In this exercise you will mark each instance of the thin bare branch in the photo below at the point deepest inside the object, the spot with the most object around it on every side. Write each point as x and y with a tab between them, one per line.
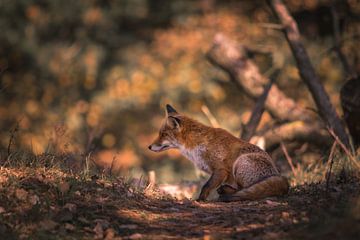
271	26
210	116
288	158
346	150
330	161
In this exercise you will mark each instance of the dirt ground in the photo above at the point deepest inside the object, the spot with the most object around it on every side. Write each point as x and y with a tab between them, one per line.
49	204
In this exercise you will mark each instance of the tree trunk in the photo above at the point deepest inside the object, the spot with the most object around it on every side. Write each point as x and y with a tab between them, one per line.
350	101
249	129
307	72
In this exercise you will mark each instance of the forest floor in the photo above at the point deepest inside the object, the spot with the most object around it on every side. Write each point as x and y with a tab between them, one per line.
50	204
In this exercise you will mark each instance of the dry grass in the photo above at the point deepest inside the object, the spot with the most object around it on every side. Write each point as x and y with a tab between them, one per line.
42	198
335	167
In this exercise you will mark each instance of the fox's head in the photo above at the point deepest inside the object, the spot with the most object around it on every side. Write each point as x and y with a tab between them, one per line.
170	131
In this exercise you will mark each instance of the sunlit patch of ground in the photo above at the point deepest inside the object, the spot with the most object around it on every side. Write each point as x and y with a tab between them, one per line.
50	204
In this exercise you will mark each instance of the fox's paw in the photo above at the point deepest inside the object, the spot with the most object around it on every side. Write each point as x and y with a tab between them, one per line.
225	198
200	199
226	190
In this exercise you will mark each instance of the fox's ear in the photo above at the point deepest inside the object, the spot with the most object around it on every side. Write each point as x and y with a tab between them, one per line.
173	122
170	109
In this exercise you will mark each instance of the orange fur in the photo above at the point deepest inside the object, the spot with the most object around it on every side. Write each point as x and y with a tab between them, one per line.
246	171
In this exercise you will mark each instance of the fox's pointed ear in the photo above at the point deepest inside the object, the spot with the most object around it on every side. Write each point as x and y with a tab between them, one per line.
173	122
170	109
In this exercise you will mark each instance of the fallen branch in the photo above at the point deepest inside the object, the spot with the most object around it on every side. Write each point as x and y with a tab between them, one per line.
232	58
307	72
297	131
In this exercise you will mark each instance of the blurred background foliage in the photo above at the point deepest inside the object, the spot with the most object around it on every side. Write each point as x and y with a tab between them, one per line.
92	76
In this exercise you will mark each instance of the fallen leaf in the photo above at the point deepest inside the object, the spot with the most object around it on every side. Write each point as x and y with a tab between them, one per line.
109	234
272	203
21	194
69	227
104	223
34	199
136	236
99	231
48	224
269	217
87	229
128	226
71	207
174	209
285	215
2	210
65	216
83	220
64	187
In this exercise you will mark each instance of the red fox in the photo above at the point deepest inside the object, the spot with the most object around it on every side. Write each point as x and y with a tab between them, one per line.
239	170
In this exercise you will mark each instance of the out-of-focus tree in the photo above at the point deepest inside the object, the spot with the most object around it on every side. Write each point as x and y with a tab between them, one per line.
107	68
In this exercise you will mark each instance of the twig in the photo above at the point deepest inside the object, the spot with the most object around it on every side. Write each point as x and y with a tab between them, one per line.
340	43
288	158
250	128
210	116
12	136
152	180
346	150
271	26
112	164
2	70
331	162
92	135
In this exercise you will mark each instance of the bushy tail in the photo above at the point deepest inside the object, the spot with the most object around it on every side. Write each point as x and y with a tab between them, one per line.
272	186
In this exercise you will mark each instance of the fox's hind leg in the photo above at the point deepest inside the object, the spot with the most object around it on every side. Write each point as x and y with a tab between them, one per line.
259	178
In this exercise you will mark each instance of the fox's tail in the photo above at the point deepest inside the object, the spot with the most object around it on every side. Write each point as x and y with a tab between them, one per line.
269	187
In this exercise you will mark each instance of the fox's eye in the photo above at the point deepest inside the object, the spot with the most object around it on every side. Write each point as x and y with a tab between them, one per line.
163	134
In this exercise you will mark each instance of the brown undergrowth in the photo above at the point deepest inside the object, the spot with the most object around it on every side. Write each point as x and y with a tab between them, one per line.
49	203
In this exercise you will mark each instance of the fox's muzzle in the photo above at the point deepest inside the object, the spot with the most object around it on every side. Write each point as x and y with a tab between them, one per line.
158	148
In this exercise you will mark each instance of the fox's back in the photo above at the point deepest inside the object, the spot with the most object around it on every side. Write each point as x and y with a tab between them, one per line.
218	146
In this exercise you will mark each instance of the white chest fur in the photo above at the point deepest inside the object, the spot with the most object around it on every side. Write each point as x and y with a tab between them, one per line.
196	156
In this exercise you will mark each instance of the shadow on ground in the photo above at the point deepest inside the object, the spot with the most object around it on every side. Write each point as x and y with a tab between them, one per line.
45	204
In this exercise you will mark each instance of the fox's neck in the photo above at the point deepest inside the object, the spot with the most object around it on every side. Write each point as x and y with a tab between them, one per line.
195	155
194	135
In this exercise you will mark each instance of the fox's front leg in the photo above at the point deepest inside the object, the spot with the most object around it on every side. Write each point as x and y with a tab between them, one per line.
214	181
